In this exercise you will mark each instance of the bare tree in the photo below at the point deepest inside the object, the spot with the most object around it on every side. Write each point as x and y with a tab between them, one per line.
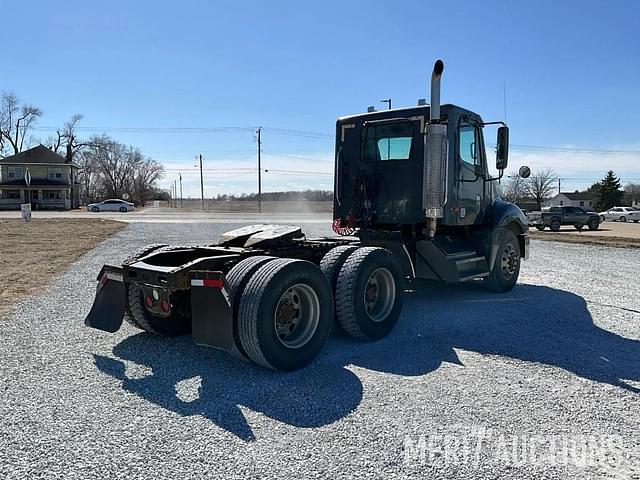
513	188
15	123
540	185
111	169
67	134
111	161
148	172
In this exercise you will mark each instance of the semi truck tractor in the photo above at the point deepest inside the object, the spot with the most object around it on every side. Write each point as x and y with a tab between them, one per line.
414	199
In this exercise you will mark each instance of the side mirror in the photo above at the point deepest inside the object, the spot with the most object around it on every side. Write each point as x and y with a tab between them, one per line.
502	150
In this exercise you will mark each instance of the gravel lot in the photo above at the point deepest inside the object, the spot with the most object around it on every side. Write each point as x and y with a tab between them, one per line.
558	356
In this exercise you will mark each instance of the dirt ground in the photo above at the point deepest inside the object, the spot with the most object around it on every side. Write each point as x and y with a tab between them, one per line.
613	234
31	253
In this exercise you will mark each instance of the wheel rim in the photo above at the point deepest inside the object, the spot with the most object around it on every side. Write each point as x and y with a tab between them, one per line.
379	294
509	261
297	316
623	219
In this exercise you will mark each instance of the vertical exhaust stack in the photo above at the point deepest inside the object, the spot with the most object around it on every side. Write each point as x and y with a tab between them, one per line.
436	147
436	75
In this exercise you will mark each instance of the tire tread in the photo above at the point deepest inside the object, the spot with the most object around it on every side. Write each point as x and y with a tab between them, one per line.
249	309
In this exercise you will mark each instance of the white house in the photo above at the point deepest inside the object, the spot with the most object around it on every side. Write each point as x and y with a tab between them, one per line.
571	199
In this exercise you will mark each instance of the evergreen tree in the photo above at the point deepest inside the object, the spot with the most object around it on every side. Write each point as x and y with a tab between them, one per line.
608	192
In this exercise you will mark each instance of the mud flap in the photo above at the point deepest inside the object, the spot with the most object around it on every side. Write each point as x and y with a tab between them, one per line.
211	310
108	307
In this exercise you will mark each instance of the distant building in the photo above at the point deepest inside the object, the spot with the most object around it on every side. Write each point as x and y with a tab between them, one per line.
528	205
40	177
571	199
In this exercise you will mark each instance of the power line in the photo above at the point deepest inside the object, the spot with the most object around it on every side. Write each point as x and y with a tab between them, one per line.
300	157
211	169
297	172
151	129
574	150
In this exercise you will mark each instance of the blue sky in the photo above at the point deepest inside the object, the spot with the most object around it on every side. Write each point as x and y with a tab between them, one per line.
571	70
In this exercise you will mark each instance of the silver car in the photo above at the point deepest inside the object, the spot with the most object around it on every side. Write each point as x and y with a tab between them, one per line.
111	205
622	214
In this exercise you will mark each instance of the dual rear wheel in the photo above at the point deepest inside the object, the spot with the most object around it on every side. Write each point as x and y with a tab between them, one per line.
285	307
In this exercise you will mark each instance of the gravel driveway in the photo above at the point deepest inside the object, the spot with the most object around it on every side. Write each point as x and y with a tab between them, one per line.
557	358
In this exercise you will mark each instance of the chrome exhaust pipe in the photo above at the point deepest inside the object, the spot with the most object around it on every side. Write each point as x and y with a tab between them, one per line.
436	149
438	68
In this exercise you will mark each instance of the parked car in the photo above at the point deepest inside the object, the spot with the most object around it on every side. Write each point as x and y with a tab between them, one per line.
111	205
554	217
622	214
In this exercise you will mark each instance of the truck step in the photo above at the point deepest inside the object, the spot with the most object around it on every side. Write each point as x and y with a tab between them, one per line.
474	276
470	268
474	259
449	260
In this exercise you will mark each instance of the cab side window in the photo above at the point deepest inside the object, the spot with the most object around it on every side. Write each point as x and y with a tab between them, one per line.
467	147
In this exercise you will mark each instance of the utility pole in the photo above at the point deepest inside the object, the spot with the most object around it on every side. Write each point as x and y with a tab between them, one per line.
201	184
175	189
259	171
559	185
180	173
387	101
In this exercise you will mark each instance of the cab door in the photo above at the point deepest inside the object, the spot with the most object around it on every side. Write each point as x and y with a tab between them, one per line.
569	215
470	174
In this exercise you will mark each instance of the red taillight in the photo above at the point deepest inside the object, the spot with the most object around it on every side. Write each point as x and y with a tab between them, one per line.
148	301
212	282
164	305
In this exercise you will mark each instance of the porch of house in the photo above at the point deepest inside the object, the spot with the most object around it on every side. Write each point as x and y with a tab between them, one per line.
41	198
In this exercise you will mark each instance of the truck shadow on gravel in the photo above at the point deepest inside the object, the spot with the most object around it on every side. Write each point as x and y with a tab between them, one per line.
532	323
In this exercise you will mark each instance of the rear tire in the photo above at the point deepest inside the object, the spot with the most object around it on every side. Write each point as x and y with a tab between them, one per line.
578	227
593	224
237	279
285	314
540	227
555	225
330	265
123	209
369	293
506	268
623	219
147	249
